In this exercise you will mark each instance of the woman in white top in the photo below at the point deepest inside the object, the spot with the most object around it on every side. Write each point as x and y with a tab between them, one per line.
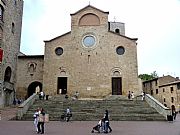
36	114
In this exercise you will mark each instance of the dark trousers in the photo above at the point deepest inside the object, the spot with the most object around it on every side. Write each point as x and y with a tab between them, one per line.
106	127
40	127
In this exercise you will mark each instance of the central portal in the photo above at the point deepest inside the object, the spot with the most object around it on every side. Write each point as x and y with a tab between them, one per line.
116	86
62	85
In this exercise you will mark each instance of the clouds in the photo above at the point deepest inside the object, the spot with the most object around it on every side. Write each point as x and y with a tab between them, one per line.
154	23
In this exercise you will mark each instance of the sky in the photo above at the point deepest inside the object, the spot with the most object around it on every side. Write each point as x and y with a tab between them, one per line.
156	24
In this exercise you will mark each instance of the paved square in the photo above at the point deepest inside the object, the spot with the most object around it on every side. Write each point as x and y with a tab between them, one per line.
85	127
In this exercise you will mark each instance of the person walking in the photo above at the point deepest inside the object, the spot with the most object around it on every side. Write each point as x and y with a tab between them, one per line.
143	95
35	116
41	120
106	122
129	95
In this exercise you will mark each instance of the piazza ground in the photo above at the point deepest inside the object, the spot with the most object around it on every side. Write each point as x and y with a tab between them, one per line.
85	127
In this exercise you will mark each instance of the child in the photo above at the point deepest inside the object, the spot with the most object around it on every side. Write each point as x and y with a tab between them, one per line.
98	126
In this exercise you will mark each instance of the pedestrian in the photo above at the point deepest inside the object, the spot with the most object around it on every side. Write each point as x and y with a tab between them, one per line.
76	95
41	121
132	95
143	95
129	95
174	114
68	114
106	122
35	116
41	95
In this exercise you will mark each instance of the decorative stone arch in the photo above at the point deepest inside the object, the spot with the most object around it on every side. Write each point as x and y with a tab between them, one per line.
63	72
116	77
7	75
33	88
89	19
116	72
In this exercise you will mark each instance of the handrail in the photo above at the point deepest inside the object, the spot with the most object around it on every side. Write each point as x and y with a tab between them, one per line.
157	105
23	108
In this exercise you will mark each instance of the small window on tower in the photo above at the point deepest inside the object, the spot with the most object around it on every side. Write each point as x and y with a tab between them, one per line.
172	99
13	28
156	91
172	90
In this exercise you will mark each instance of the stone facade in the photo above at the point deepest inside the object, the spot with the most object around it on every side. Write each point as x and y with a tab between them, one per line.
94	58
169	94
30	75
10	36
165	89
89	70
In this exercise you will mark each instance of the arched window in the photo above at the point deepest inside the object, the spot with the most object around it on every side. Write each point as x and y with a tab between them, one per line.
89	20
7	76
32	67
13	28
1	12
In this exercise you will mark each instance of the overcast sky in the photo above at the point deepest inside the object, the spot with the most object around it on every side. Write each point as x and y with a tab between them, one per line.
156	24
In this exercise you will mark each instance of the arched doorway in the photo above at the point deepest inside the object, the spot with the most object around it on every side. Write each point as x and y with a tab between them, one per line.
7	75
116	83
34	87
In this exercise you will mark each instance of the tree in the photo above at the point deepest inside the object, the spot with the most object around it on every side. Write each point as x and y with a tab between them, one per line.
146	77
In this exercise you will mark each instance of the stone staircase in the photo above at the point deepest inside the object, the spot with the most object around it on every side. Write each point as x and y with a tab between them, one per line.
120	109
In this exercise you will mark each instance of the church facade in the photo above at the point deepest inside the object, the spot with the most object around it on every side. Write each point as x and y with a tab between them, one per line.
95	58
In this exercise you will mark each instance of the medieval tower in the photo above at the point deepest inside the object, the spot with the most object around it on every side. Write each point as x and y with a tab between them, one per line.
10	35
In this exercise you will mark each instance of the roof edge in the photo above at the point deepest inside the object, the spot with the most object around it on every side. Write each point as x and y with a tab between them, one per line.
134	39
91	7
57	37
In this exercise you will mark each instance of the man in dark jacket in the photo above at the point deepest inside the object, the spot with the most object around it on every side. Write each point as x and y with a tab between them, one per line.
106	120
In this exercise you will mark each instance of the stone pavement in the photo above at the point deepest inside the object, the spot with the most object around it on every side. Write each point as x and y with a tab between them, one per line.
85	127
8	113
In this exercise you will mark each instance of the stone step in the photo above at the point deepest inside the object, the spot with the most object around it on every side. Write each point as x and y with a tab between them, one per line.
119	109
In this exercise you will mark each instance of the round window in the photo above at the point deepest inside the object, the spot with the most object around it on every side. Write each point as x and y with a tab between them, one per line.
120	50
89	41
59	51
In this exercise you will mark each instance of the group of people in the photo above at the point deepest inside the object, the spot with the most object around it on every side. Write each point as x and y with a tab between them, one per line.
131	95
17	101
103	125
39	120
41	95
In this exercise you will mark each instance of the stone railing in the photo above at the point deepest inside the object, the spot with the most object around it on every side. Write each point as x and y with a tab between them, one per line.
23	108
157	105
9	86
